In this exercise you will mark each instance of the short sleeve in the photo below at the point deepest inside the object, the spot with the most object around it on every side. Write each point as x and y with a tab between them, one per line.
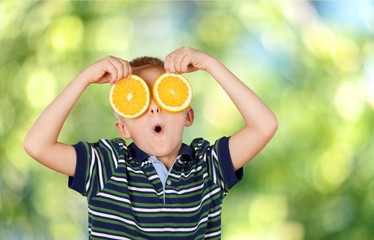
96	163
77	182
229	175
219	163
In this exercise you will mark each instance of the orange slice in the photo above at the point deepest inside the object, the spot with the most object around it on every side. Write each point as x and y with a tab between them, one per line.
130	97
172	92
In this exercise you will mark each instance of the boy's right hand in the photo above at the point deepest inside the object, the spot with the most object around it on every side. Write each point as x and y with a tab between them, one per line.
41	142
107	70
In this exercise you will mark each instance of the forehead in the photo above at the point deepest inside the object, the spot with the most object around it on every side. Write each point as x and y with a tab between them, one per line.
148	73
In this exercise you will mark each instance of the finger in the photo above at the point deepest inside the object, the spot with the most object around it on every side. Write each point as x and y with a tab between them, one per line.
111	69
169	64
180	56
177	61
127	69
173	60
166	66
184	64
117	63
166	63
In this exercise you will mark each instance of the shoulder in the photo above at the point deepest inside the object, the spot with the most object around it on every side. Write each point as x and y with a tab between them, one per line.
116	146
96	163
118	142
201	145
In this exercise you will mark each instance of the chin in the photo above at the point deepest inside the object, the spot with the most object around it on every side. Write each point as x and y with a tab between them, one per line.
164	149
162	152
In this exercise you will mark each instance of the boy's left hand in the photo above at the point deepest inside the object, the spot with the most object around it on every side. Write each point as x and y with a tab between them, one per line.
186	60
261	122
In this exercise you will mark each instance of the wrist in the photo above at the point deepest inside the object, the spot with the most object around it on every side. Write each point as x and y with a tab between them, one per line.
212	64
82	80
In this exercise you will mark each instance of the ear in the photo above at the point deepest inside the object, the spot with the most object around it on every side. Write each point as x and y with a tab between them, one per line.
123	130
190	116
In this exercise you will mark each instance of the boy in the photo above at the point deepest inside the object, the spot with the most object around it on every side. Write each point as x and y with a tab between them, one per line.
157	187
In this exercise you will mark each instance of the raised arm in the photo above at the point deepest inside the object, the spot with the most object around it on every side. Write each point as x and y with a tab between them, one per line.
41	142
260	122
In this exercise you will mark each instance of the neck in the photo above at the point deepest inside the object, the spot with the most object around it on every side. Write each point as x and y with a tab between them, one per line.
168	161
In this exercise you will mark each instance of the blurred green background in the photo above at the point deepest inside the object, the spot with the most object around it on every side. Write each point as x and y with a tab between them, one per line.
311	62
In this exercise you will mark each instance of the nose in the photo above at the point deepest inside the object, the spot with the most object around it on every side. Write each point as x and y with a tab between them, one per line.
154	109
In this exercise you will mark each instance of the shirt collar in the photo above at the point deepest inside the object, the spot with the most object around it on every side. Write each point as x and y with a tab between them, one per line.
186	152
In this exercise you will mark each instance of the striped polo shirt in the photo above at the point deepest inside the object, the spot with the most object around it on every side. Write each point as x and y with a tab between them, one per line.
126	199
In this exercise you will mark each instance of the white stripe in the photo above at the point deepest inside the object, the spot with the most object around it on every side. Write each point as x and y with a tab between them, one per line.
112	151
145	162
108	236
101	181
110	196
121	160
212	234
186	176
142	174
186	190
143	190
215	214
153	177
214	157
122	145
214	177
217	233
135	171
117	179
214	154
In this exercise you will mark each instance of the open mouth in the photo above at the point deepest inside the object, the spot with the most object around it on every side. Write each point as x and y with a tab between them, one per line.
157	128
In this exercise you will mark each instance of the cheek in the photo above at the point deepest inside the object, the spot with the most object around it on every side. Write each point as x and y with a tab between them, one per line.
135	127
178	125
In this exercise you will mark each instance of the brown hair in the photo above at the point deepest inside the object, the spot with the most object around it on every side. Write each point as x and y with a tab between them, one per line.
142	61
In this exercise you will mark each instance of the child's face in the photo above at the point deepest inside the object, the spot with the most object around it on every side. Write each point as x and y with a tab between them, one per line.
156	132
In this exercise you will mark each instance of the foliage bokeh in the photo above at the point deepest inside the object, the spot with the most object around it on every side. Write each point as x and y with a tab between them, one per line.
311	62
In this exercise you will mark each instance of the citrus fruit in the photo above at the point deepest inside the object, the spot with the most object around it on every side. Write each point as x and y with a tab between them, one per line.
130	97
172	92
